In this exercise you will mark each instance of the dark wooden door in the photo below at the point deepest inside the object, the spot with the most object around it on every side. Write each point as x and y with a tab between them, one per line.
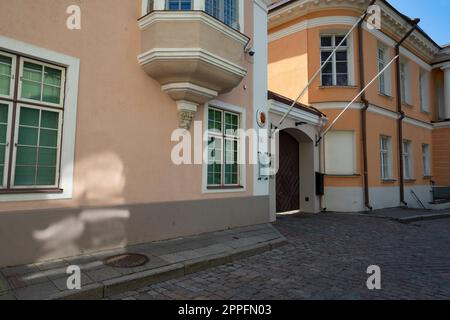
288	176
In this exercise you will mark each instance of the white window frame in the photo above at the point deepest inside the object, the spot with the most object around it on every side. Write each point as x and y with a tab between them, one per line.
388	154
384	81
198	5
408	159
44	64
426	160
350	57
223	137
423	91
353	156
16	139
405	82
4	183
242	185
13	74
72	65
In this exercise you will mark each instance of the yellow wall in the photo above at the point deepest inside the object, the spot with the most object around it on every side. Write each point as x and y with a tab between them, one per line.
287	59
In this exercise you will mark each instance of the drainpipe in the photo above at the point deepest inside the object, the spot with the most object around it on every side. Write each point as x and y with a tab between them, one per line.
414	24
362	84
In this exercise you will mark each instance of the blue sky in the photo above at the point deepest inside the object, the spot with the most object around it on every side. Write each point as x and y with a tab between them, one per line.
434	16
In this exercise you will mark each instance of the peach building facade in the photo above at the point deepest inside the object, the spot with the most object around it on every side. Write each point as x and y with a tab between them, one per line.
87	116
360	156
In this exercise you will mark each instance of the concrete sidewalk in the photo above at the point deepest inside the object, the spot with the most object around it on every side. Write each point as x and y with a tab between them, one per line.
406	215
167	260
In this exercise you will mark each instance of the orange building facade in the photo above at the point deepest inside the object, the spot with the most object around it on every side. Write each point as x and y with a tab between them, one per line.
360	155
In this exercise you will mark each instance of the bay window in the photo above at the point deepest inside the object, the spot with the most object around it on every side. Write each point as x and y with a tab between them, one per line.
179	5
223	148
33	119
224	10
227	11
336	71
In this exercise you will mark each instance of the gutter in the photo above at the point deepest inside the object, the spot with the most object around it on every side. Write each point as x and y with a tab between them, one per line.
414	24
362	84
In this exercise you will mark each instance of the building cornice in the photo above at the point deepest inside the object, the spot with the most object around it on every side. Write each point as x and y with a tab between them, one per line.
392	21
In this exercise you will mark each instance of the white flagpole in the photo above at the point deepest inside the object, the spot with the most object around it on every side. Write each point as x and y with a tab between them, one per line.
357	96
302	93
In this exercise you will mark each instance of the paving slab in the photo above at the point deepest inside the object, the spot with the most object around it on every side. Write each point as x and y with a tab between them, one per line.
167	260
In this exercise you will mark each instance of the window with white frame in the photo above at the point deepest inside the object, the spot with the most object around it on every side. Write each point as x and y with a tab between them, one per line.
385	157
384	80
33	118
407	160
223	148
423	91
405	83
178	4
336	71
226	11
340	153
426	160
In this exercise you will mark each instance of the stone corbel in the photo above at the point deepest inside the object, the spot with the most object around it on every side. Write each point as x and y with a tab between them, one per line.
186	113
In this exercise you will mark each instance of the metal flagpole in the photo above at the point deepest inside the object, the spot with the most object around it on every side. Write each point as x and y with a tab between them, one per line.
354	99
302	93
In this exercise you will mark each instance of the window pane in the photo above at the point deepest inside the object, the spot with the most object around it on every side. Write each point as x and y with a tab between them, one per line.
327	80
3	113
2	169
48	138
328	68
325	55
5	75
32	72
49	120
341	56
5	85
325	41
2	154
5	65
31	90
52	77
45	176
28	136
26	155
51	94
29	117
3	128
25	176
338	41
341	67
341	80
47	157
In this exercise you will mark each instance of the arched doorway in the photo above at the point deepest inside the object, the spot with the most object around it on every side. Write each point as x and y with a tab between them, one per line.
288	176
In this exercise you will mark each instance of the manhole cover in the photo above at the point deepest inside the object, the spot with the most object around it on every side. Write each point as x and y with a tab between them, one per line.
127	260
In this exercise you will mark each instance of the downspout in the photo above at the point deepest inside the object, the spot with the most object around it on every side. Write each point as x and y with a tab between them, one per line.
414	24
362	84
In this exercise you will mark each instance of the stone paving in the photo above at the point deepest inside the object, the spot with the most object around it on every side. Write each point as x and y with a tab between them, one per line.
167	259
327	258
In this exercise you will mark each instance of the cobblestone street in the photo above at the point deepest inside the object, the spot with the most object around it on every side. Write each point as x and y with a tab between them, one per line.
327	258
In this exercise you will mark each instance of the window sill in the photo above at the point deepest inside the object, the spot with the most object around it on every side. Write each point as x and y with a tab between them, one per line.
32	191
407	105
225	188
338	87
410	180
388	180
385	96
355	175
427	177
428	113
